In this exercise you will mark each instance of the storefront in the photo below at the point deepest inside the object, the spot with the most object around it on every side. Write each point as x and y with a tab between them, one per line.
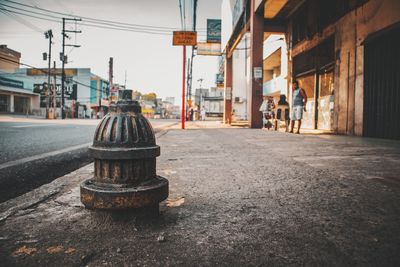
314	69
15	98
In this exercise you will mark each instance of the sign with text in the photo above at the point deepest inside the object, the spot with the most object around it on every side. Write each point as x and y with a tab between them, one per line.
228	93
184	38
43	72
213	31
209	49
11	82
70	91
257	72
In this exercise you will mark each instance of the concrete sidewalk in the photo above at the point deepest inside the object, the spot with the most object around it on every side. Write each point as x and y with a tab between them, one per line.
238	197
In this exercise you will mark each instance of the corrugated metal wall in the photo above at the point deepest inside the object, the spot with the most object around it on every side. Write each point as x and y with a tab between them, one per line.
382	86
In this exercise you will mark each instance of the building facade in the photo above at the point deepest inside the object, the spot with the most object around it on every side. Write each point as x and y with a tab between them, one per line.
81	88
344	54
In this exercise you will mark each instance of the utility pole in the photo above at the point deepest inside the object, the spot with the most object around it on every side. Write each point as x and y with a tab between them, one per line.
188	103
110	77
190	74
183	88
125	80
54	90
201	91
48	35
65	61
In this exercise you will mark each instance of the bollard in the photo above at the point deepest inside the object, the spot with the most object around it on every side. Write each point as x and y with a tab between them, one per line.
124	151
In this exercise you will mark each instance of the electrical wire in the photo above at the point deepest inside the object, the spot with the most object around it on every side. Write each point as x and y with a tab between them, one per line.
22	21
180	9
145	27
89	24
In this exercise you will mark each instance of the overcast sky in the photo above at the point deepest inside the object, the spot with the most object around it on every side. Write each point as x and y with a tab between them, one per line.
151	62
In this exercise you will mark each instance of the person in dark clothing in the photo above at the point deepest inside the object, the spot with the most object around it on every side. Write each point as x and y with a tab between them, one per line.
191	115
282	113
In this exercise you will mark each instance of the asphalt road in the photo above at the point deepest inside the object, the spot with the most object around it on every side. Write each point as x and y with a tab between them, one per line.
34	152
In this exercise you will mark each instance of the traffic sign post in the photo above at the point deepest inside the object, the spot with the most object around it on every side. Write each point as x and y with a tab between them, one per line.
184	38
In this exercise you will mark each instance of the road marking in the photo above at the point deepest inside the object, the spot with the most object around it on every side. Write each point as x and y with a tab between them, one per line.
42	156
158	130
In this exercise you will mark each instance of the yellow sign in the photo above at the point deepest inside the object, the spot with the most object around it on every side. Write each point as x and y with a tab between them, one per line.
184	38
42	72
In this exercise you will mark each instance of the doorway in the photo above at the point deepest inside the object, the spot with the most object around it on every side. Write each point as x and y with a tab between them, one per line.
382	85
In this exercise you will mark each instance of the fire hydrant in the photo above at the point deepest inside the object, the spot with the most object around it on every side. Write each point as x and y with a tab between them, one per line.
124	151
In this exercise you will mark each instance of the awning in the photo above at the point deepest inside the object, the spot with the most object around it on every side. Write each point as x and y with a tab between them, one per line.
11	90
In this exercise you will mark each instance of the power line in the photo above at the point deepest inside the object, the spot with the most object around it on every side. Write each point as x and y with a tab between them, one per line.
22	21
180	9
146	27
184	14
89	24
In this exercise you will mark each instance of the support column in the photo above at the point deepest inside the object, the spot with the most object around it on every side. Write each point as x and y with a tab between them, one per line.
228	91
256	60
12	110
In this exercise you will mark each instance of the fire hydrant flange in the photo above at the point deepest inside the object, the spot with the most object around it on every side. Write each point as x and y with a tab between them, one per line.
124	151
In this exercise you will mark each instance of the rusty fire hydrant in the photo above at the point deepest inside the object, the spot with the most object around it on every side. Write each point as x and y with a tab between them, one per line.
124	151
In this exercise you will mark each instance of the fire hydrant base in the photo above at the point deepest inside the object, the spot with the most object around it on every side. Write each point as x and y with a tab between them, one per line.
112	197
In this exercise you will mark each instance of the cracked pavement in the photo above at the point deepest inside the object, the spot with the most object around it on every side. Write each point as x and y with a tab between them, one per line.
237	197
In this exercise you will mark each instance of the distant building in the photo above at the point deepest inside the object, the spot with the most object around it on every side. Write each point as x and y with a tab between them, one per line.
10	59
16	98
15	95
199	95
214	102
170	99
81	86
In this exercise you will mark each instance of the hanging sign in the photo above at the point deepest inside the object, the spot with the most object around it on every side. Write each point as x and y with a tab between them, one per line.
184	38
208	49
213	31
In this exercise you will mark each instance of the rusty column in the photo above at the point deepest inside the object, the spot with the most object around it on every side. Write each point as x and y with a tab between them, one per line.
256	61
124	151
228	90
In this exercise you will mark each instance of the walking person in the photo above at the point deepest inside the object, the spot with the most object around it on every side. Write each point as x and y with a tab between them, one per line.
299	101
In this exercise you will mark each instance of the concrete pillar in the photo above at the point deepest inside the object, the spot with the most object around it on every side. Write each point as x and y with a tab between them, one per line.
12	103
228	91
256	60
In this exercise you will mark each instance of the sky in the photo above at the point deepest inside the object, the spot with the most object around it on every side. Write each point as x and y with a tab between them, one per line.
150	61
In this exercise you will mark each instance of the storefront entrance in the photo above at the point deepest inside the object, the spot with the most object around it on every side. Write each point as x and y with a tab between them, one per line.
4	103
314	69
21	104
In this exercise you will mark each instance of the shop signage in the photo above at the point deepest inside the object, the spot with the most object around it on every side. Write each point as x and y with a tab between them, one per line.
11	83
228	93
257	72
184	38
209	49
213	31
70	91
219	78
43	72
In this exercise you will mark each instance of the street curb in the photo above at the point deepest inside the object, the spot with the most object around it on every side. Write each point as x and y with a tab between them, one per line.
50	190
